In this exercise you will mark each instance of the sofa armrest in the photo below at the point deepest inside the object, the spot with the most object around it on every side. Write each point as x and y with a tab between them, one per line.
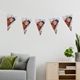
31	69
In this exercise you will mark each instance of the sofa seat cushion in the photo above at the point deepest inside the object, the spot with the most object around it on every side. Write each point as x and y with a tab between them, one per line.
12	75
21	61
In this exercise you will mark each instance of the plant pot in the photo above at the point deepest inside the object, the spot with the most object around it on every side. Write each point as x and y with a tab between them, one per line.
72	59
77	56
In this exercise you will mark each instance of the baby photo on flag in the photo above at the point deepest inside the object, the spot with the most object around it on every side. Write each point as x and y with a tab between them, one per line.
68	21
40	23
25	23
54	23
10	20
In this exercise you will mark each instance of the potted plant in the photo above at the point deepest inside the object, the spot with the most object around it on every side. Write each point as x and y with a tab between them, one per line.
77	42
69	53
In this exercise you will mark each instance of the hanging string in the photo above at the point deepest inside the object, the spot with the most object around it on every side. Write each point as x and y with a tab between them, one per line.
77	13
2	12
6	13
20	17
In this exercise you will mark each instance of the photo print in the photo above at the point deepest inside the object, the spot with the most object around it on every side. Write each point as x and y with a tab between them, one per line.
10	20
25	24
68	21
54	23
40	23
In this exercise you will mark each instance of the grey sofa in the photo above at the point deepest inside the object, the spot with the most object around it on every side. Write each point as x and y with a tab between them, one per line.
28	74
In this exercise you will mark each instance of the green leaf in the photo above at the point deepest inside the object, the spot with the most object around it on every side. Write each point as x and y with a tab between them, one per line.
77	37
69	52
77	42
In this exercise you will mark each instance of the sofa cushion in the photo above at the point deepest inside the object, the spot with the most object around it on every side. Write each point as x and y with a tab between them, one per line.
1	59
20	66
1	56
13	75
21	61
7	62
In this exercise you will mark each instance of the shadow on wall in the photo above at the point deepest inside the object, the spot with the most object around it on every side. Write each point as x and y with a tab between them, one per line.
41	72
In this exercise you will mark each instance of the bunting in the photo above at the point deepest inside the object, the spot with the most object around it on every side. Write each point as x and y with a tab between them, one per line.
68	21
54	22
25	24
10	20
40	23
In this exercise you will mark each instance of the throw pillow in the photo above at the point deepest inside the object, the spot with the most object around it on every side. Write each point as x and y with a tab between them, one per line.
21	61
1	56
21	57
7	62
20	66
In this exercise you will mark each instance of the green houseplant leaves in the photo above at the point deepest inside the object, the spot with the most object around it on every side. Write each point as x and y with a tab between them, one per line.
69	52
77	42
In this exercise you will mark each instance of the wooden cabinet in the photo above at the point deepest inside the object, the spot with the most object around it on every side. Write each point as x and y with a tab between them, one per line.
77	65
78	71
63	71
78	74
52	71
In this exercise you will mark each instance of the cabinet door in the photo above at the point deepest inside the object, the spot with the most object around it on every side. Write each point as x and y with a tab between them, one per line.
77	70
77	74
52	71
77	65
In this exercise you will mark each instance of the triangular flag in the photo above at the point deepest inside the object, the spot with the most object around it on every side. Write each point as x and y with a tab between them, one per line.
68	21
40	23
25	23
54	23
10	20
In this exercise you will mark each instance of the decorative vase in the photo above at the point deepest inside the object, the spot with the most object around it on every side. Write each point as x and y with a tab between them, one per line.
77	56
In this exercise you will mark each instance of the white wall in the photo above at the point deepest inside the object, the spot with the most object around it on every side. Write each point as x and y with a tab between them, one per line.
48	46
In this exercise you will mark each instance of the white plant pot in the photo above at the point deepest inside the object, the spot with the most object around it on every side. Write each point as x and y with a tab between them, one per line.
72	59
